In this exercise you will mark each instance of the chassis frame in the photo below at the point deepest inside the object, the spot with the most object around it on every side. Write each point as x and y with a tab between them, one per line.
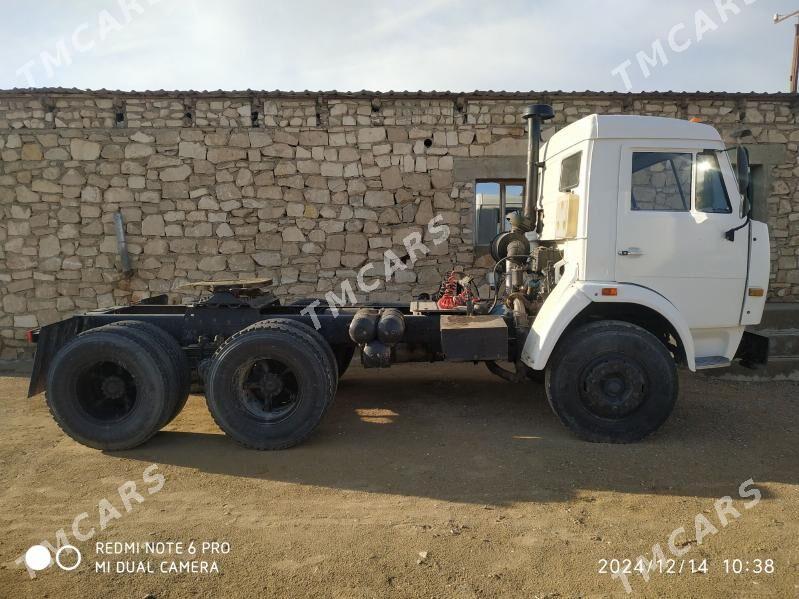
200	327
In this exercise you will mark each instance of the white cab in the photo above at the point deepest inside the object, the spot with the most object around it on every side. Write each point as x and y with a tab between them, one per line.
656	200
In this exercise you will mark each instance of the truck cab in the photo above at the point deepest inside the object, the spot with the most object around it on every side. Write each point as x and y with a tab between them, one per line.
649	216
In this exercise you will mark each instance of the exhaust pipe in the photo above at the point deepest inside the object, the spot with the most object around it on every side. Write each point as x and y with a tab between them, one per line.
535	114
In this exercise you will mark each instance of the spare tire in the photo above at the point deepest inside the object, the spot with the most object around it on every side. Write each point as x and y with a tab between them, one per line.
107	391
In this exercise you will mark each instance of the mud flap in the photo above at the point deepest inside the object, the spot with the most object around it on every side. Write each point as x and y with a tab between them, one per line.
753	350
50	339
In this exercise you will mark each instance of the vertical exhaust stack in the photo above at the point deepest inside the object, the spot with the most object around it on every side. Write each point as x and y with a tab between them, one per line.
535	114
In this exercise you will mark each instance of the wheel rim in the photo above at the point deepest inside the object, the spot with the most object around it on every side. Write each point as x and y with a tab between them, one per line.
268	390
613	386
106	392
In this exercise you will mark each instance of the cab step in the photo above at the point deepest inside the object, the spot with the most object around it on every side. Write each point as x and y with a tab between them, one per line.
712	362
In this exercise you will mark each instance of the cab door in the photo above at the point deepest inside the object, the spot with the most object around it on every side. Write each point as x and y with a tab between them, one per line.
675	206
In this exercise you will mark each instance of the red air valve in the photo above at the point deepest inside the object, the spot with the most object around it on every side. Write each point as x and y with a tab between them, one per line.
455	291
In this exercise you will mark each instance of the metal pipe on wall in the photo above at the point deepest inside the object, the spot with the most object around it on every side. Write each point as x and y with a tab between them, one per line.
122	245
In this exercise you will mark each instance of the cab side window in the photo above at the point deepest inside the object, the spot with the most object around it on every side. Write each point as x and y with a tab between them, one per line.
570	172
661	181
711	194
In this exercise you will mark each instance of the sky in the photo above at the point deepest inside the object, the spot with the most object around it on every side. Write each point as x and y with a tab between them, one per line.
382	45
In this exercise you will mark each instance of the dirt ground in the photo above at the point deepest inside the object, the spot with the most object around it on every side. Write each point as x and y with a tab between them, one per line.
422	481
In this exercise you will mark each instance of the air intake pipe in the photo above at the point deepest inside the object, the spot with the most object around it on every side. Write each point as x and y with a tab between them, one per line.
535	114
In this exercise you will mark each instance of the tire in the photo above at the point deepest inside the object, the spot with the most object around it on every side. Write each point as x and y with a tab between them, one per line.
176	355
611	382
313	336
167	369
343	355
107	390
270	384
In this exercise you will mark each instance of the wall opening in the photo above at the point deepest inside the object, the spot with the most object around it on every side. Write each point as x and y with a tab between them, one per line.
120	118
493	202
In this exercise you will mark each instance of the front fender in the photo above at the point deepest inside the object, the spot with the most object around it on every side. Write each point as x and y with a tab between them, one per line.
560	310
565	302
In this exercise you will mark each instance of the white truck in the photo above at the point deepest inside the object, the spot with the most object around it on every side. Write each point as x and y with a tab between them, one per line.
635	253
658	242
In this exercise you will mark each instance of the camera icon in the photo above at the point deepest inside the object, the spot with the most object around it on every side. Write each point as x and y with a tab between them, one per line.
38	557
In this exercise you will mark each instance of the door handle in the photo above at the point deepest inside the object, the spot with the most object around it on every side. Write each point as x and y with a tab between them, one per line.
630	252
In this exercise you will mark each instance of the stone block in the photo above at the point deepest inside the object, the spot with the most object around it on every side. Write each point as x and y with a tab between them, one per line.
391	178
136	150
31	152
371	135
377	199
191	149
175	173
82	149
217	155
153	225
356	243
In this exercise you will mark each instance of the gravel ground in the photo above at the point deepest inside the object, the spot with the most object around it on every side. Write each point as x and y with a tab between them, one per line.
423	481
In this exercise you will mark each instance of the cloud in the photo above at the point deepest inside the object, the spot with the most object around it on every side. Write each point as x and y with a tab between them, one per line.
458	45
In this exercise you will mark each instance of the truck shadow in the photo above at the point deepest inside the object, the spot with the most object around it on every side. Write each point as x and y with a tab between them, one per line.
456	433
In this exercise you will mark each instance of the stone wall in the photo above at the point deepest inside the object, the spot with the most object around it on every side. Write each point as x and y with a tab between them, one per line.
303	188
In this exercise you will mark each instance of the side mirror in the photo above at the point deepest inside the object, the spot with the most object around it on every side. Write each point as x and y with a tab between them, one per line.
742	166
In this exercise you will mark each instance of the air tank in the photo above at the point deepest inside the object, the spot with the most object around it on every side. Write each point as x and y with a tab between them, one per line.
391	327
363	327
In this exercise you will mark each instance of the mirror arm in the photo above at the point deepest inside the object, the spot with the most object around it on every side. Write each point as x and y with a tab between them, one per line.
730	235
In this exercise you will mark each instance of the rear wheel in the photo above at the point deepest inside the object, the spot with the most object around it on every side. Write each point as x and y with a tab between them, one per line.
107	390
611	382
176	356
312	336
269	385
167	369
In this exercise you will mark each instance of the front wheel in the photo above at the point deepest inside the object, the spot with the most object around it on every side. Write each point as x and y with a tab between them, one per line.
611	382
